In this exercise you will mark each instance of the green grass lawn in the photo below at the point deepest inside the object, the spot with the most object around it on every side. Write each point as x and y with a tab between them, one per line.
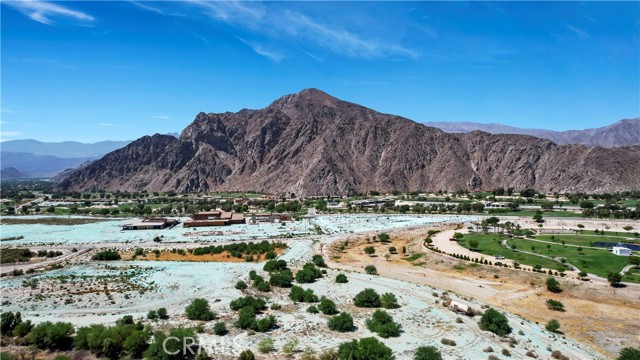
489	244
632	276
594	261
581	239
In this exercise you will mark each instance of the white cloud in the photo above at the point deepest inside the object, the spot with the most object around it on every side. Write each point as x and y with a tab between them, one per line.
144	6
286	25
5	110
43	12
339	40
581	33
262	50
161	117
8	134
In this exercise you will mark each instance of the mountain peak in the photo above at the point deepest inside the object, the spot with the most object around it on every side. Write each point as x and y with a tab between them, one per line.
304	98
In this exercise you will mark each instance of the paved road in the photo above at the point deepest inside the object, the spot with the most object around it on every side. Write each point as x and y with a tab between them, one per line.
7	269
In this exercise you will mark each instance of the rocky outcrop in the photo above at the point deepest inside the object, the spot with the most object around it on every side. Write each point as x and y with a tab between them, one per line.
311	143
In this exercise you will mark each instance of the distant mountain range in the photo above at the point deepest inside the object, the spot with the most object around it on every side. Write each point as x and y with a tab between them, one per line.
622	133
65	149
38	166
36	159
311	143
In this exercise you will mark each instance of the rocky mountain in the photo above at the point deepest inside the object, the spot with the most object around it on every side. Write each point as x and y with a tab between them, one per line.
65	149
10	173
311	143
622	133
39	166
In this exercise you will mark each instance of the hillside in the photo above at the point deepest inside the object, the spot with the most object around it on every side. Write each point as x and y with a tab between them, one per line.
312	143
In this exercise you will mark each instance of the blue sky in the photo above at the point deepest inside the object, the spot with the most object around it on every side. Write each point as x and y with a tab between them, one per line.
91	71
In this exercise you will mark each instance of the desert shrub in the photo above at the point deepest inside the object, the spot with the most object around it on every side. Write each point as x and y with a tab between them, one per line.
170	346
247	355
488	349
629	353
264	324
449	342
371	270
531	354
266	345
256	304
342	322
555	305
220	329
495	322
308	274
318	260
199	310
382	323
106	255
252	274
241	285
246	318
553	285
8	321
553	325
312	309
257	280
290	346
22	329
506	352
389	301
327	307
298	294
276	306
263	286
7	356
367	298
152	315
364	349
493	357
162	313
427	353
282	278
51	336
329	354
341	279
274	265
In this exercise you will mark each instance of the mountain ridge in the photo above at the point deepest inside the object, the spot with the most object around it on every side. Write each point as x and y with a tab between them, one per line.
624	132
312	143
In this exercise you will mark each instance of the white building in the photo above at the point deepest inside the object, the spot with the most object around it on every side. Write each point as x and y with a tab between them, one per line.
621	251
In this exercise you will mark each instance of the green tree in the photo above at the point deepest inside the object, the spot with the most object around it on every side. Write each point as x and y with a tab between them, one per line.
389	301
371	270
174	344
553	325
342	322
629	353
247	355
341	279
496	322
199	310
220	329
367	298
382	323
553	285
368	348
614	279
51	336
327	307
555	305
427	353
369	250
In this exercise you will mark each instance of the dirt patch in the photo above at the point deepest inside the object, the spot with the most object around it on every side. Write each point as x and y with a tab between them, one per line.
50	221
605	318
224	256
